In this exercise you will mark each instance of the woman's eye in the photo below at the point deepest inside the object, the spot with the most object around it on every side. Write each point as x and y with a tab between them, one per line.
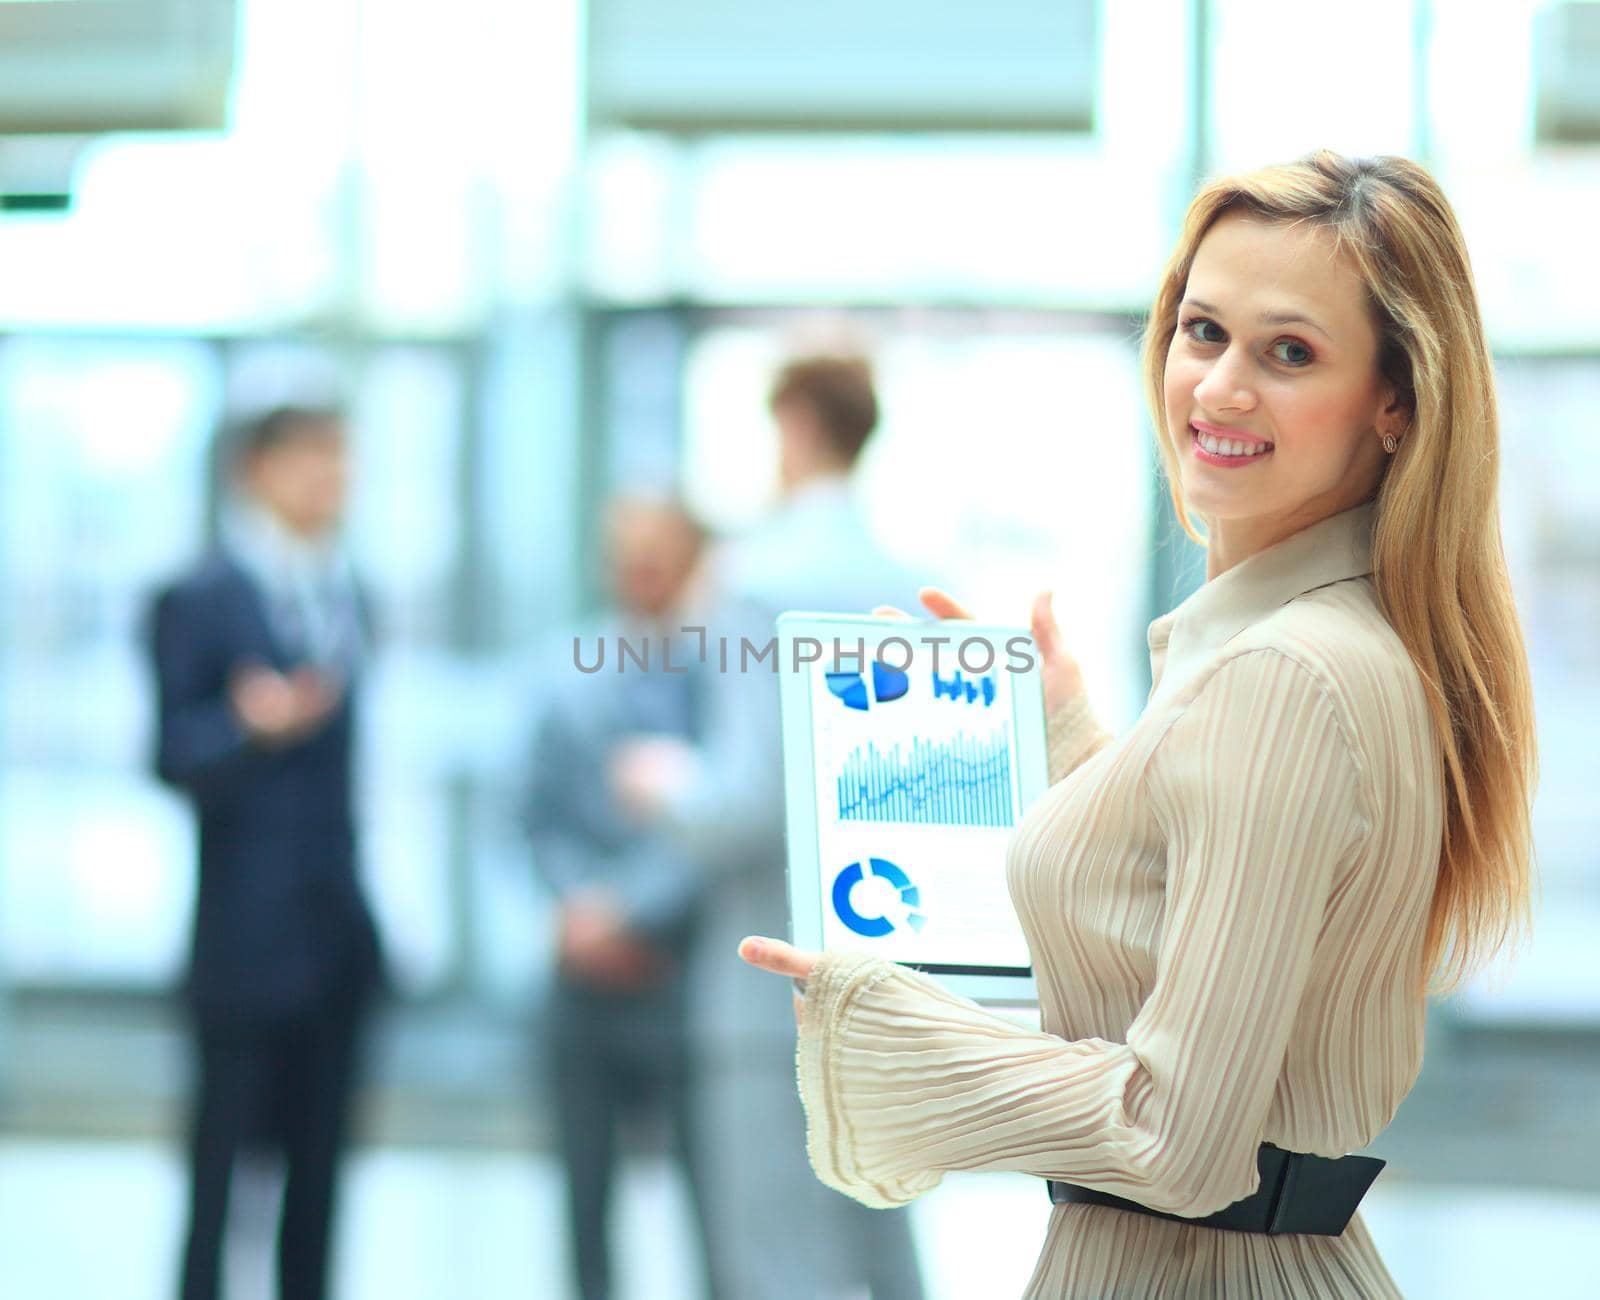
1202	330
1291	352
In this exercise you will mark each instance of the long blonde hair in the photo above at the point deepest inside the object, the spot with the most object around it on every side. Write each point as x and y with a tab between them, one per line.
1438	562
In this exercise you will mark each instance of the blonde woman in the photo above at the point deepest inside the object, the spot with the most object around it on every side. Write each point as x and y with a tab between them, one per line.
1236	909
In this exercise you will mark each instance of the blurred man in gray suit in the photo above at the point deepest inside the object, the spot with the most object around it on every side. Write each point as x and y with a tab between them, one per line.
626	898
776	1232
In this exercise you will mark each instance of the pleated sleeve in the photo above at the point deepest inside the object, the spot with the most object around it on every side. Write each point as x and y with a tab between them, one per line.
1073	736
1257	791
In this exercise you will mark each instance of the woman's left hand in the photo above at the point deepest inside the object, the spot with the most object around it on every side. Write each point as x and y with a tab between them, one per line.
781	959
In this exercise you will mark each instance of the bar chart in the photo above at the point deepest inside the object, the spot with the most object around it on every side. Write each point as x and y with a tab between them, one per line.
962	781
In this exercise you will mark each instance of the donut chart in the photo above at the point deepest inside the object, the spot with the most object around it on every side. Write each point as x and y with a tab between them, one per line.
876	927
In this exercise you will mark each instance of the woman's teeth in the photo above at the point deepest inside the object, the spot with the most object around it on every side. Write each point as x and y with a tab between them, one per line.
1229	446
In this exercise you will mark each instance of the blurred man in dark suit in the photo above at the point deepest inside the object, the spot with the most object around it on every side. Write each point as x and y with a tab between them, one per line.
627	900
256	654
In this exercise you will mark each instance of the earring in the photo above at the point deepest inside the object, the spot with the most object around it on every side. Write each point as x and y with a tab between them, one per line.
1390	444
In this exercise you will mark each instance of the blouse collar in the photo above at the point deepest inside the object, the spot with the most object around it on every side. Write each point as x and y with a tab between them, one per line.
1332	550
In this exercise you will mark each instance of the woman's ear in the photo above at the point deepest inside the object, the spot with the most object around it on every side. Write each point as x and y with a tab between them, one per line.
1394	417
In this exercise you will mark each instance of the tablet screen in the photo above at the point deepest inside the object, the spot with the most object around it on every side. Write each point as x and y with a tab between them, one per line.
917	789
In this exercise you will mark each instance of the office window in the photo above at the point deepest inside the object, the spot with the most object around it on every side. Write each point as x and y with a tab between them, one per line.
102	472
1550	500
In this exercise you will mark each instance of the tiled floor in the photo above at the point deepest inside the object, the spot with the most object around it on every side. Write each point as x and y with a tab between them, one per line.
99	1221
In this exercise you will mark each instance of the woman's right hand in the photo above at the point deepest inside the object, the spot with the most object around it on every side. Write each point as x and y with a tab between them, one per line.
1062	679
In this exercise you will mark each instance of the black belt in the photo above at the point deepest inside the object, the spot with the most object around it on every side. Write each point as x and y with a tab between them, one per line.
1298	1193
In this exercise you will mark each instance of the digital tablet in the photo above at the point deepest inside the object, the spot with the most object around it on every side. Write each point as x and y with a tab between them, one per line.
910	750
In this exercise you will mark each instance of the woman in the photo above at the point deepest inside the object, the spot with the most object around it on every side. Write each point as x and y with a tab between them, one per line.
1236	908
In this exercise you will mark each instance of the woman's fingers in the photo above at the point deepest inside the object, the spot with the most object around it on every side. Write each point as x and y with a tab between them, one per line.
938	603
1046	632
1062	678
777	956
942	605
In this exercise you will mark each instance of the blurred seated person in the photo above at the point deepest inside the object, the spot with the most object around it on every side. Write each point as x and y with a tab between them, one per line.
256	652
627	901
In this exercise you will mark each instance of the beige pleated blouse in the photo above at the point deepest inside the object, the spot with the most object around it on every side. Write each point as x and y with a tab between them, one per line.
1226	909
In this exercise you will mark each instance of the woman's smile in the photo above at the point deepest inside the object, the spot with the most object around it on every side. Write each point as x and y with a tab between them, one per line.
1229	448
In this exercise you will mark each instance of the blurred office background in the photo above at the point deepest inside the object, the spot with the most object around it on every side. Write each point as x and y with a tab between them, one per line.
542	250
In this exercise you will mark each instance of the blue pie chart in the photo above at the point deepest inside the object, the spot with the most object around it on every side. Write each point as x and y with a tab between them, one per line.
876	927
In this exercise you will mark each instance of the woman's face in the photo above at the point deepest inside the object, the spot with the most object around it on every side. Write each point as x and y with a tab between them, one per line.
1274	401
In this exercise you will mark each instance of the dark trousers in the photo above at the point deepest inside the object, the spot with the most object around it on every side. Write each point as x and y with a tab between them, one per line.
615	1058
284	1084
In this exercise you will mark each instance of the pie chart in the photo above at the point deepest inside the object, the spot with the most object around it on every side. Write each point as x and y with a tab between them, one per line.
878	925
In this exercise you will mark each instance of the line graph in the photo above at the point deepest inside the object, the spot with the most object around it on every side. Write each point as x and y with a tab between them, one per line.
960	782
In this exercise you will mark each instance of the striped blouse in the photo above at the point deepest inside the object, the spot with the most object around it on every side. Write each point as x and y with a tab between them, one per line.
1226	909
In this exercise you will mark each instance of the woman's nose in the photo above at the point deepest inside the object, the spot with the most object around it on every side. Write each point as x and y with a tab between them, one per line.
1226	385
